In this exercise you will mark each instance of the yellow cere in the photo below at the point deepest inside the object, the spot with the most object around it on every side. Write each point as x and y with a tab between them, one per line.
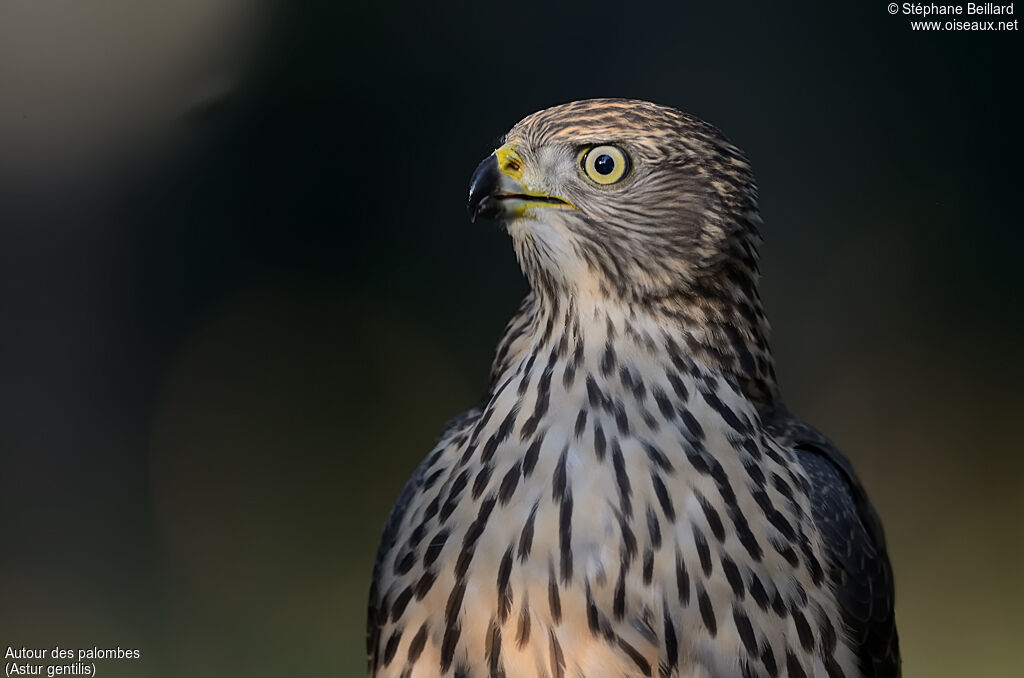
511	165
509	162
605	164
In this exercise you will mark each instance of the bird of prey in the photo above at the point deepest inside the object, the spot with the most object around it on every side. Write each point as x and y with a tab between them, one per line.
631	498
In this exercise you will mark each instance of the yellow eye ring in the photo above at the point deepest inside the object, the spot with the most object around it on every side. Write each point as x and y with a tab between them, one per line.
605	164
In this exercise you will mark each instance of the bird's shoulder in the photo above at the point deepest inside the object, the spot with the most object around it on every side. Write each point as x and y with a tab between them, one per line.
853	541
377	611
513	344
414	486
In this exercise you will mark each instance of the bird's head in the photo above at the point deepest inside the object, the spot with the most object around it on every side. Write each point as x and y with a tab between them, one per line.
623	199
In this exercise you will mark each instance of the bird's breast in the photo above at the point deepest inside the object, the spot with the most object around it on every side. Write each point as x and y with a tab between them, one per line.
608	508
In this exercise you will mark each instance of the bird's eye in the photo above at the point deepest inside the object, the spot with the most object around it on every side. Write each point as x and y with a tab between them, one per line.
605	164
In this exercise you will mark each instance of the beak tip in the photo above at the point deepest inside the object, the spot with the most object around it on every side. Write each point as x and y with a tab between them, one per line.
482	187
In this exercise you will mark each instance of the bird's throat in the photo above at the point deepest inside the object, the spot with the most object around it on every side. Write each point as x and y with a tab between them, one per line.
560	335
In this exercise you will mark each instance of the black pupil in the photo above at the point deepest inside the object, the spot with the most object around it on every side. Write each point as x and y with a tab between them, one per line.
604	164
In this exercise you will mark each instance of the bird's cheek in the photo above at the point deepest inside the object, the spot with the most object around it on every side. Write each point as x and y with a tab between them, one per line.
534	182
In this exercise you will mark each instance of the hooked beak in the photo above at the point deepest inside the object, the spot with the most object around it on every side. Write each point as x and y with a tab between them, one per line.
496	190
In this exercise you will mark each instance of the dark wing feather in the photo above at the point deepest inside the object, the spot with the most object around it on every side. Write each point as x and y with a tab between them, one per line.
858	563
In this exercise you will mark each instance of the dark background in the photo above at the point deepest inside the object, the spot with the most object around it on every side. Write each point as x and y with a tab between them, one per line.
240	294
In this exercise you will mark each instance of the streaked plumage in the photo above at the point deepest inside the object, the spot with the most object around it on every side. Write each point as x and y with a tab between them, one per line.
631	498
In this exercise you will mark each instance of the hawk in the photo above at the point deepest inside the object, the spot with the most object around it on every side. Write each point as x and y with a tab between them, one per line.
631	498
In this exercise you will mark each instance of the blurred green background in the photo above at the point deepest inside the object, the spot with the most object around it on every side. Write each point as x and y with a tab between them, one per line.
241	295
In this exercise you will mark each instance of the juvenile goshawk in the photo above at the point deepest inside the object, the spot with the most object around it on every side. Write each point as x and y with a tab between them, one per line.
631	498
